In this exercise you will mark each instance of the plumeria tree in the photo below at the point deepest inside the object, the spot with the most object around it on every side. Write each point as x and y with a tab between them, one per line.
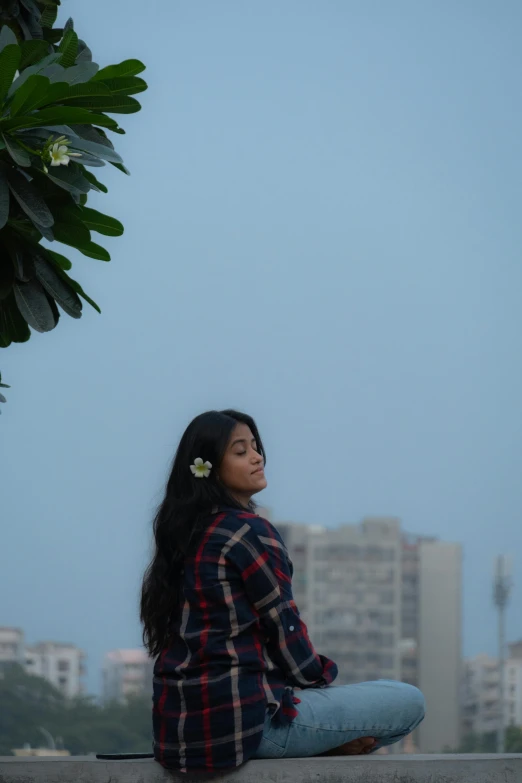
55	104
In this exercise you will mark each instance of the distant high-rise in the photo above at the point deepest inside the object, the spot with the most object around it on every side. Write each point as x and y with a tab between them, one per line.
63	665
480	692
352	580
11	646
126	673
385	605
440	642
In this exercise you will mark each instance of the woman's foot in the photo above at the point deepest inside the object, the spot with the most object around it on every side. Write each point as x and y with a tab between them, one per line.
357	747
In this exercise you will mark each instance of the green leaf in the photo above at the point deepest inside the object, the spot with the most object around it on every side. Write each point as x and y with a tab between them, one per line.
29	95
5	334
48	17
116	104
13	322
128	85
23	264
100	150
95	184
121	167
9	64
50	130
69	48
26	229
92	250
58	288
36	68
97	135
79	290
72	234
20	156
55	73
53	307
4	198
103	224
91	160
59	92
84	53
59	115
125	68
77	74
26	25
33	9
32	51
45	232
60	260
67	212
29	199
73	178
34	306
52	36
7	278
77	287
7	37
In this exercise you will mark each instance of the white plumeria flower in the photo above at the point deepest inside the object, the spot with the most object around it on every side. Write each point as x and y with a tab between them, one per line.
60	155
201	469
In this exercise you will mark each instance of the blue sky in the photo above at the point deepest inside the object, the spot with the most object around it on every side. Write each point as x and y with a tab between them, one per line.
323	229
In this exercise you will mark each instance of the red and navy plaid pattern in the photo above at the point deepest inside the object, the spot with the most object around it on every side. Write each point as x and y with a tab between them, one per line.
238	649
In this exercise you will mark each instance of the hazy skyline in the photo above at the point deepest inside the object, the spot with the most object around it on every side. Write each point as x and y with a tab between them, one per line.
322	228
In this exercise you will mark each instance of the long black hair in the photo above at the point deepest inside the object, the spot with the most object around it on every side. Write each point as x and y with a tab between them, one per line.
178	522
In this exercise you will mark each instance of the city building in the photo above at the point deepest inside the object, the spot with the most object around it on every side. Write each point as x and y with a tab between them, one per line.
480	692
63	665
60	664
439	642
351	578
11	646
126	673
385	605
515	650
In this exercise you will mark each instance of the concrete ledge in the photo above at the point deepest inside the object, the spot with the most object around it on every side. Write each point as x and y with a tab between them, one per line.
359	769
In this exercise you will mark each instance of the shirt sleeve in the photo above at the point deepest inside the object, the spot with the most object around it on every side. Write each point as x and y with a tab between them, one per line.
267	578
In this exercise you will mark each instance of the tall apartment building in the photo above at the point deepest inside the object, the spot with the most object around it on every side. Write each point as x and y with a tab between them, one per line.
63	665
12	646
385	605
439	640
480	692
126	673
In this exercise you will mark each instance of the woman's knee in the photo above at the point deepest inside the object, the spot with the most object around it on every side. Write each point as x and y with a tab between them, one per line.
413	704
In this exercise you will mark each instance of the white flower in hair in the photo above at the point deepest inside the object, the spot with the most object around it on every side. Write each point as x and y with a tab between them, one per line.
201	469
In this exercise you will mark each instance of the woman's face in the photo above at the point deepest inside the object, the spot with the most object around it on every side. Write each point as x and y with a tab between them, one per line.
242	467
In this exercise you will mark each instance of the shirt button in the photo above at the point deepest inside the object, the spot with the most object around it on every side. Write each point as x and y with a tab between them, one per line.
291	627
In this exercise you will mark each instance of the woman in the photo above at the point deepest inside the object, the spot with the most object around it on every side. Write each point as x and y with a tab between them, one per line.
230	646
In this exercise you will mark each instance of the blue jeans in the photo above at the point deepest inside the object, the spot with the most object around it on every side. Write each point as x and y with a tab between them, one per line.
330	717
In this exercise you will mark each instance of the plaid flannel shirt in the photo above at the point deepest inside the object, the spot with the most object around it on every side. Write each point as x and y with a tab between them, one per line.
238	649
